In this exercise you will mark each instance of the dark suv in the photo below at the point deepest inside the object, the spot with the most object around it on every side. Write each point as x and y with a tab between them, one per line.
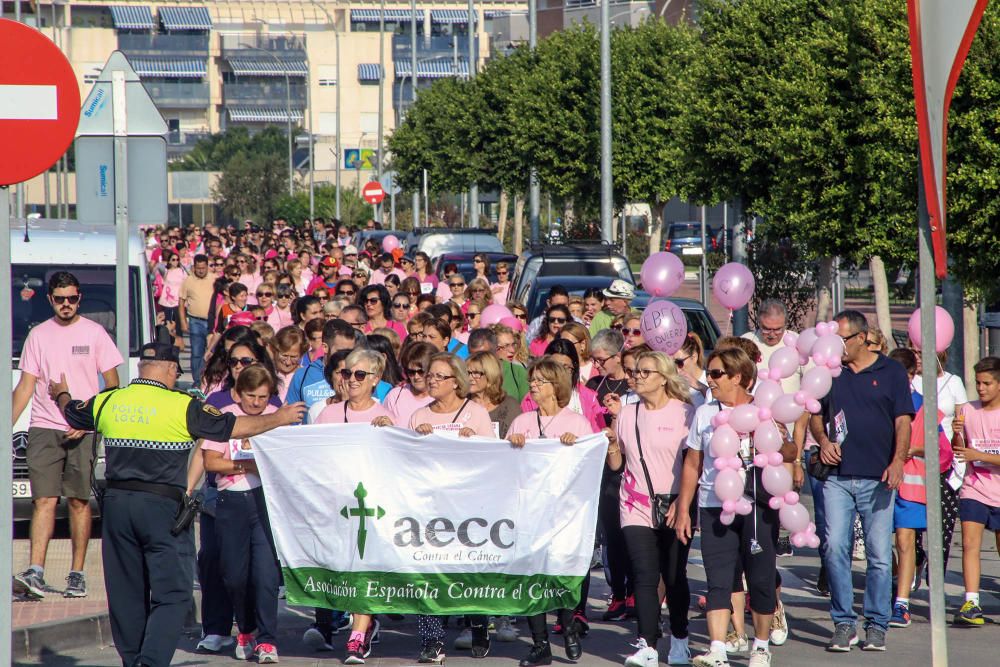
684	238
545	260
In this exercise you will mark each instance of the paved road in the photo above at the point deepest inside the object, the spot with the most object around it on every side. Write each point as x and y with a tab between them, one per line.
607	643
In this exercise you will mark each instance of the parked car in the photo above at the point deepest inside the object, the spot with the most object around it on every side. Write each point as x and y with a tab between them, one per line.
463	260
684	238
435	241
597	260
359	238
88	252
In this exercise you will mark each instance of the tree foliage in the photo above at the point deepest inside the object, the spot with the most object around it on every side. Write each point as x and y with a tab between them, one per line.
250	186
295	208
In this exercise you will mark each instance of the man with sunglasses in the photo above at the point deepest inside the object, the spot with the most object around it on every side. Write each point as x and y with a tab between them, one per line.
617	301
327	276
60	457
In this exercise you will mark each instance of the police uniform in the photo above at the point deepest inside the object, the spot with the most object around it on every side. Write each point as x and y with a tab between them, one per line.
149	431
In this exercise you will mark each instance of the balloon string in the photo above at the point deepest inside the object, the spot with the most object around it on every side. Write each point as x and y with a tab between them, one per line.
729	324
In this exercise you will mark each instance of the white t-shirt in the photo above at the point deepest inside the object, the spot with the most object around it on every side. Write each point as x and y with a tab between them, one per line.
951	392
698	439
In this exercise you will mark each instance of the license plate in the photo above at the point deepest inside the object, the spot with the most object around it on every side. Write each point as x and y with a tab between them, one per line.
22	489
691	251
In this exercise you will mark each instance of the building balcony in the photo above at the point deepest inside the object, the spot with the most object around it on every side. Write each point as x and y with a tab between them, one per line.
271	92
249	43
178	94
146	44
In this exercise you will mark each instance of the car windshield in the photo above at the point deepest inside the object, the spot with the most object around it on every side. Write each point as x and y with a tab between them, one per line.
438	244
97	285
685	231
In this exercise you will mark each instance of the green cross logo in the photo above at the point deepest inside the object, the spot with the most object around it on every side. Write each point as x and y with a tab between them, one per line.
362	511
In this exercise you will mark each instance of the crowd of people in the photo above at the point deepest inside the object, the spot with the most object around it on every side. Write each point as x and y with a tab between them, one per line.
359	335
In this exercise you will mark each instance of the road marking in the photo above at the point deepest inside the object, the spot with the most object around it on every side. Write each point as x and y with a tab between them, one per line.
28	102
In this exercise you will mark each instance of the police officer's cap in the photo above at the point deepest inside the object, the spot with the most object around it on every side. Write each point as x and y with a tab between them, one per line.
159	352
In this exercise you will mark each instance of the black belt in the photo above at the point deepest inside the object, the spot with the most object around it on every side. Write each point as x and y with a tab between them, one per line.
165	490
195	317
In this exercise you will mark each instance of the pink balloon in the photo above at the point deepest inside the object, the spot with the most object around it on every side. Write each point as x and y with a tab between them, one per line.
805	341
725	442
733	285
816	382
821	329
785	361
775	503
944	329
720	464
812	541
803	359
790	339
664	326
766	393
389	243
662	274
493	314
777	481
791	498
799	540
767	438
819	358
729	506
760	460
794	518
830	346
512	322
727	518
744	418
720	419
764	414
744	506
786	410
813	406
835	372
775	459
801	397
728	485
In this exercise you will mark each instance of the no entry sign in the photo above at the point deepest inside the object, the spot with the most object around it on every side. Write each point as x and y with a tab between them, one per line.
39	102
373	192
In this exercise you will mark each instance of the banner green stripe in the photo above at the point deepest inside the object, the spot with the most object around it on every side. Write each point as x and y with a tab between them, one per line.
434	594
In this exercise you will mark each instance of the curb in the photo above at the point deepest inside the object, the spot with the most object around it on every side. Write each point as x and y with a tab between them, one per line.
36	641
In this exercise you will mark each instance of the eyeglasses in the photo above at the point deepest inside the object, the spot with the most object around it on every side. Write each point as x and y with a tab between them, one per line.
477	261
505	346
265	294
453	285
847	338
401	305
775	332
475	375
241	361
626	331
438	377
414	372
502	272
322	297
346	292
641	373
478	289
679	362
358	375
372	300
557	320
473	313
233	274
537	381
715	373
521	316
241	261
73	299
600	362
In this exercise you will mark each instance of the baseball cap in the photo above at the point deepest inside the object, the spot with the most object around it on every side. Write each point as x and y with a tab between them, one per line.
328	261
159	352
350	250
620	289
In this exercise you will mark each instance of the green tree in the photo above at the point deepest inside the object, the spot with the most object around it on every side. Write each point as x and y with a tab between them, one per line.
215	151
353	209
250	186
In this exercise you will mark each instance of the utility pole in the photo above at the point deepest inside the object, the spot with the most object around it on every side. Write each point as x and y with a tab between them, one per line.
473	60
606	184
534	189
415	201
381	97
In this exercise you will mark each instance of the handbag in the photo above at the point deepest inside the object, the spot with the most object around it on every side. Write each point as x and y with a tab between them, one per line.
659	503
817	469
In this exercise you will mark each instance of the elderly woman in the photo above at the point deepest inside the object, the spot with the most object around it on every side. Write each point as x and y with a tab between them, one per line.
451	410
556	318
286	348
510	344
631	330
486	387
651	436
247	558
749	541
582	399
404	400
362	371
551	387
577	334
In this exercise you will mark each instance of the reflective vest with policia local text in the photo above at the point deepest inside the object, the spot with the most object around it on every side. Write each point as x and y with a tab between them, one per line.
145	431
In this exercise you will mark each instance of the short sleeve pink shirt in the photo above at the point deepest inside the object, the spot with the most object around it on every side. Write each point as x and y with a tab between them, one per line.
471	415
982	433
564	421
401	403
341	413
234	482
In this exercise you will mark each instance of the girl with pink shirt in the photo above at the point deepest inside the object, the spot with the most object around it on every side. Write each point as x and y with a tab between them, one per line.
247	558
651	436
550	388
404	400
555	318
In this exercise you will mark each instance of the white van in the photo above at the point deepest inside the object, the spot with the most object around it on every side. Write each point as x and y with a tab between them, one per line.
88	252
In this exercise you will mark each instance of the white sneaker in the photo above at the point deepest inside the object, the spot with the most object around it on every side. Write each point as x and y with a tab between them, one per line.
506	631
858	551
737	643
709	659
760	657
779	626
214	643
464	639
680	652
644	656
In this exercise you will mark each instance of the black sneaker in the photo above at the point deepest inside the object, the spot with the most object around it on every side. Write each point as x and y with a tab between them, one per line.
76	585
571	640
432	653
874	639
783	548
480	642
318	638
30	584
540	654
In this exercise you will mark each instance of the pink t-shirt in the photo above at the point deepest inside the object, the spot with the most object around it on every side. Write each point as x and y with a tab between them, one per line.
379	276
398	327
234	482
564	421
982	432
663	434
471	415
401	403
170	298
583	401
82	350
279	319
284	381
341	413
501	292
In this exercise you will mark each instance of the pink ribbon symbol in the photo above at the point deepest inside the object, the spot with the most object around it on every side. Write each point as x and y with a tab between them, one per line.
633	495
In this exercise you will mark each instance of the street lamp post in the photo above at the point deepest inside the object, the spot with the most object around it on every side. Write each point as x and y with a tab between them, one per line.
381	97
534	191
473	61
288	110
415	201
606	182
340	154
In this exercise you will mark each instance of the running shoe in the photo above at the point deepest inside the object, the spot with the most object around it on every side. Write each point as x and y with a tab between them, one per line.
783	548
845	635
737	644
464	639
874	639
680	652
30	584
355	652
971	615
779	626
900	616
266	654
432	653
540	654
644	656
709	659
615	611
505	630
76	585
244	646
630	606
760	657
317	639
214	643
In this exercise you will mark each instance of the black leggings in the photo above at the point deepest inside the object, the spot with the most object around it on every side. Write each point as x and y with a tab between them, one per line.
536	623
655	554
617	566
725	548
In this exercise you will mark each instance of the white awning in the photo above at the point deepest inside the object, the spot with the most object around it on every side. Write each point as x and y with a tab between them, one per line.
132	17
449	16
267	67
391	15
254	114
432	69
185	18
170	68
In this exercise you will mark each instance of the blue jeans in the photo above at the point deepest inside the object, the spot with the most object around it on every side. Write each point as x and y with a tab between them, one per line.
816	489
198	330
873	500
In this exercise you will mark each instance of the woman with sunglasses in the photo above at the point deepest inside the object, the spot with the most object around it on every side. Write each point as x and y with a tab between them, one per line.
170	284
377	304
473	313
457	288
247	557
282	316
347	289
556	318
401	308
551	387
486	389
452	410
411	288
424	273
481	265
478	290
519	311
501	288
577	334
404	400
648	448
362	371
243	353
749	541
630	329
689	364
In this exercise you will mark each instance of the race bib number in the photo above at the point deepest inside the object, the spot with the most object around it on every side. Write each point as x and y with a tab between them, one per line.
840	428
240	450
426	288
448	428
986	446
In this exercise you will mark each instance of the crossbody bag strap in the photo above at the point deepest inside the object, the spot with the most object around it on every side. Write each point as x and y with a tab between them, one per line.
459	413
642	461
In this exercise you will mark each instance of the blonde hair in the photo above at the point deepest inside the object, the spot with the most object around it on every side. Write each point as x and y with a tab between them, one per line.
876	337
457	369
520	351
289	339
493	374
674	385
478	282
578	331
264	332
375	361
393	337
549	370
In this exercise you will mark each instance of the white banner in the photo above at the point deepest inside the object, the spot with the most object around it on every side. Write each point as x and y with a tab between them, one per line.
384	520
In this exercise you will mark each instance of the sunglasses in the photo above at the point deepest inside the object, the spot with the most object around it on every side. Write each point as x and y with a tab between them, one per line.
475	375
72	299
414	372
557	320
501	273
346	292
456	284
715	373
241	361
371	301
358	375
218	264
284	295
473	313
626	331
680	361
263	294
400	305
521	316
233	274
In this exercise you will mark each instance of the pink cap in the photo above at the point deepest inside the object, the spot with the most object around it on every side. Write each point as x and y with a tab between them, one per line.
243	318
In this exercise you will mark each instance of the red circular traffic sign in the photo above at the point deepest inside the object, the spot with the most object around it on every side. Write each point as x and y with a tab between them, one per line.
373	192
39	102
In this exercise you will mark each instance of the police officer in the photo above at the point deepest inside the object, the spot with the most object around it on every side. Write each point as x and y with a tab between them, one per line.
149	431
